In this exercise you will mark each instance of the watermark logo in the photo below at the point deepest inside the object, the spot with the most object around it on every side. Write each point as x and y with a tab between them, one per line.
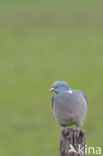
85	150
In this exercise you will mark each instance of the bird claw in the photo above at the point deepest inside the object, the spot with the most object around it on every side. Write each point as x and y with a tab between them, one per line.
65	131
79	132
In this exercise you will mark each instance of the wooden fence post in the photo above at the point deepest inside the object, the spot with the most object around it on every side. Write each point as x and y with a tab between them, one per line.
70	144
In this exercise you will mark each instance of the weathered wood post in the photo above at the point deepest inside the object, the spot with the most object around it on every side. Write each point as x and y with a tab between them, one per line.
70	144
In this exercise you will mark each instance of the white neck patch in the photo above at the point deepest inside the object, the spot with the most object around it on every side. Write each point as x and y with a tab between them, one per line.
69	91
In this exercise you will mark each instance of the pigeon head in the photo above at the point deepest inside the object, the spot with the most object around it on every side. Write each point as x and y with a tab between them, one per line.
59	87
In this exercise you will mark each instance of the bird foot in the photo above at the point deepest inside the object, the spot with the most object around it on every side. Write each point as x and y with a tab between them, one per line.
79	132
65	131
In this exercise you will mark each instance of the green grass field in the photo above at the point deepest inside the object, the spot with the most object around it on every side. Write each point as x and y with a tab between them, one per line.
41	42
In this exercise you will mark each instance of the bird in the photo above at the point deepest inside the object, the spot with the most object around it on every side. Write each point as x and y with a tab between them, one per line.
69	105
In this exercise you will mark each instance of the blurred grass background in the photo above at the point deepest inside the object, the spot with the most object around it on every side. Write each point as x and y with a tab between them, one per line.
41	42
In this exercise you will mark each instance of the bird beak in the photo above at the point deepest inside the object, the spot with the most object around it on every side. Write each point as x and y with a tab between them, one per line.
51	89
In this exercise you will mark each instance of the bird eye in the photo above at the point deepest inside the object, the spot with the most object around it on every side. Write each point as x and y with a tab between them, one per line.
56	87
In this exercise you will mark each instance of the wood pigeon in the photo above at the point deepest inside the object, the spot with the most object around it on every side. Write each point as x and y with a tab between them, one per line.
69	105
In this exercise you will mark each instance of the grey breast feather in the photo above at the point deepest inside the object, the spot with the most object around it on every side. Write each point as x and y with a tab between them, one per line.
70	108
